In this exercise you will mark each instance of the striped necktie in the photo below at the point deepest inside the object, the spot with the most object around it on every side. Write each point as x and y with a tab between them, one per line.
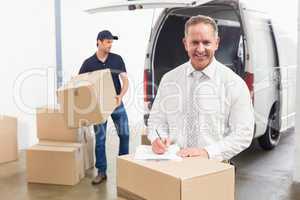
192	123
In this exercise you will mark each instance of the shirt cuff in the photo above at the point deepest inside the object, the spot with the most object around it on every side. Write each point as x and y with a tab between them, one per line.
214	152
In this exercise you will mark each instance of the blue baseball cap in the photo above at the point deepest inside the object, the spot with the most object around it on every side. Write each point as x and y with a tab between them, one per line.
105	34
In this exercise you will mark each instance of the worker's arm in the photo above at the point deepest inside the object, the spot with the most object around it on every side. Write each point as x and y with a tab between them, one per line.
158	128
125	85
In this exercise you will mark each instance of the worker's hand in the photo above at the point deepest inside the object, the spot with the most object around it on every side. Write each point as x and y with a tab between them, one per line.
193	152
161	146
118	100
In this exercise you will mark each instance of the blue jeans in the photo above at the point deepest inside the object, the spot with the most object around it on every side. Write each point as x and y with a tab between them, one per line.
120	119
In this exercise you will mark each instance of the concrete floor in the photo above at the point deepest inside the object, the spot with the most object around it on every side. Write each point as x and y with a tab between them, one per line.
267	175
261	175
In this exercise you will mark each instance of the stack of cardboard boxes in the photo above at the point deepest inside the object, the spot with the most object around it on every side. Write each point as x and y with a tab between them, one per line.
8	139
65	149
58	157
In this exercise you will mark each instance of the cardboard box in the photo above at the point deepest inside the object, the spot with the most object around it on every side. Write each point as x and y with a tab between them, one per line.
191	179
8	139
52	126
145	140
53	164
80	146
88	98
144	137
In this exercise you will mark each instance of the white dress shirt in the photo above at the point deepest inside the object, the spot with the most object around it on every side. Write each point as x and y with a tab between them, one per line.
226	116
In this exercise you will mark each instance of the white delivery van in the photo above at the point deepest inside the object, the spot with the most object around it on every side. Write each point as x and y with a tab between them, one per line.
251	44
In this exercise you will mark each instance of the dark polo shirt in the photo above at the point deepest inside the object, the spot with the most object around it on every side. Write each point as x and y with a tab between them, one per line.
114	62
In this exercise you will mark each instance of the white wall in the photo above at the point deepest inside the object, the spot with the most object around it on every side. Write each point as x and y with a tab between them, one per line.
27	48
79	32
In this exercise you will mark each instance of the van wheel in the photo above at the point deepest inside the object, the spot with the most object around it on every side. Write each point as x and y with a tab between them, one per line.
272	135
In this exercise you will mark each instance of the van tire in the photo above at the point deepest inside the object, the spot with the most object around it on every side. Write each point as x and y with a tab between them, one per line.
272	135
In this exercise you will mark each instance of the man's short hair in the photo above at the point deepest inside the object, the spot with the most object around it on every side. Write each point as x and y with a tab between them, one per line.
201	19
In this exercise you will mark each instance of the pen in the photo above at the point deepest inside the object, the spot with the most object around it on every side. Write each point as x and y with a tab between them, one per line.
158	134
164	142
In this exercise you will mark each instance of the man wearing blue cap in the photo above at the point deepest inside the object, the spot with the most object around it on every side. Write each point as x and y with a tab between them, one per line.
104	59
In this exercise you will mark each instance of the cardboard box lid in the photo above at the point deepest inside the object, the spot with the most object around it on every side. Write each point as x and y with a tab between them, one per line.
178	169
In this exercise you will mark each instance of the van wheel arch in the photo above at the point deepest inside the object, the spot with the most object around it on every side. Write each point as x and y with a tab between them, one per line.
271	138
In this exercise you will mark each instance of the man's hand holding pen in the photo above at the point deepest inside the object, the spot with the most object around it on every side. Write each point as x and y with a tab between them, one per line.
160	145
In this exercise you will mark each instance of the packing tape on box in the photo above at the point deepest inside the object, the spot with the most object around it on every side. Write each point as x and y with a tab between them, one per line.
123	193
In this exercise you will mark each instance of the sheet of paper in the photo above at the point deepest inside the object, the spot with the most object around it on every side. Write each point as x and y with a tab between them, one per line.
144	152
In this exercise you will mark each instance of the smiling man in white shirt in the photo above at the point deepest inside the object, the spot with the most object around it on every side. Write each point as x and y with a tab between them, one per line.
202	105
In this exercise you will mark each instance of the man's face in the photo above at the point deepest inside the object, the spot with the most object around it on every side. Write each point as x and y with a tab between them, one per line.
201	44
105	45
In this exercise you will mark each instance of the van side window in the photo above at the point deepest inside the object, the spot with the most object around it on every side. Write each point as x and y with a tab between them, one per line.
231	49
263	51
